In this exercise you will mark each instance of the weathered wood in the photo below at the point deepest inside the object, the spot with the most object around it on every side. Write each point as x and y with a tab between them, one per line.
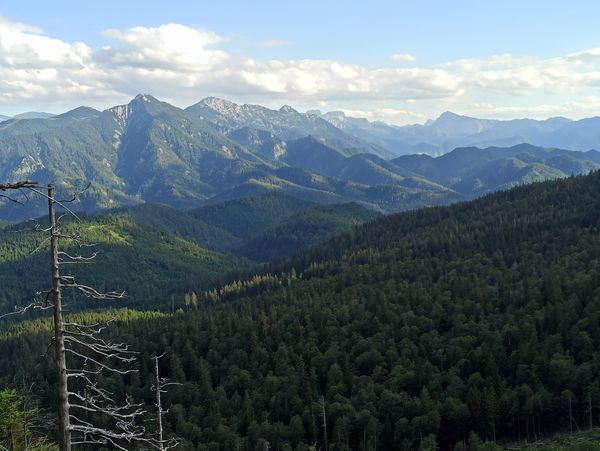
64	431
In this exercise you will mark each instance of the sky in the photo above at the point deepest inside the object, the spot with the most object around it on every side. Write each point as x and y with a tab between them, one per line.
397	61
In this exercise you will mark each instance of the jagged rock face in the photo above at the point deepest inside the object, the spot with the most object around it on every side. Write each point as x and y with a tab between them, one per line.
285	123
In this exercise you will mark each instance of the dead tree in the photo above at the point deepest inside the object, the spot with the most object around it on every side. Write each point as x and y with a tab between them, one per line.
6	189
324	415
160	387
97	355
64	429
82	342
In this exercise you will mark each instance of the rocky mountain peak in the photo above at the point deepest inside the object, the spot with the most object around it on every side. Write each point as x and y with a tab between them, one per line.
288	109
222	106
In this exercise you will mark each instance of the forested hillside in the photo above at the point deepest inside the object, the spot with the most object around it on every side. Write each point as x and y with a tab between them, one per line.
419	328
158	254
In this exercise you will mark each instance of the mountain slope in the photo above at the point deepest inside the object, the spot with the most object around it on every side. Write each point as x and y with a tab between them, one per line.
152	251
148	263
306	228
246	217
144	151
413	312
167	157
416	328
274	226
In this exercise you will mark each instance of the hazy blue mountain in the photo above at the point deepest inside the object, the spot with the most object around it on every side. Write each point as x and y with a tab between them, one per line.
33	115
429	138
27	115
396	139
473	171
451	130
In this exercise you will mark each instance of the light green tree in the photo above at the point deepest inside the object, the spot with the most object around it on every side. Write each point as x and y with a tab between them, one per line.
16	426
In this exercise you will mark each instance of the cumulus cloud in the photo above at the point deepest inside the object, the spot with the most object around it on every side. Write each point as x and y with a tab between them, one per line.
34	66
169	47
182	64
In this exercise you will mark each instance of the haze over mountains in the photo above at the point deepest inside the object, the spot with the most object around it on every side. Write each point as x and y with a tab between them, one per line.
215	150
451	130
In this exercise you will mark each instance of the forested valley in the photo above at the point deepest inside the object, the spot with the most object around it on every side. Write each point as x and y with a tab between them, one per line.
463	327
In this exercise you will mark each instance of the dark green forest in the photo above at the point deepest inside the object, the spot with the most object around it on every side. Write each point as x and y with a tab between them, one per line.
470	323
158	254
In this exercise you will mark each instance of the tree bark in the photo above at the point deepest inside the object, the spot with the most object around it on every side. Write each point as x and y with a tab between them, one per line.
64	431
159	406
324	422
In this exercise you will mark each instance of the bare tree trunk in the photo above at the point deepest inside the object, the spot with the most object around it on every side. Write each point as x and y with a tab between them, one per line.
324	422
64	431
159	406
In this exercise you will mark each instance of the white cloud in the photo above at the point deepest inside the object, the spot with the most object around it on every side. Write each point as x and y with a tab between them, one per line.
170	46
403	58
35	68
182	64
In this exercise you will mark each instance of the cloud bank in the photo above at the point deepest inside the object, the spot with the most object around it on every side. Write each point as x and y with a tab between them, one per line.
181	64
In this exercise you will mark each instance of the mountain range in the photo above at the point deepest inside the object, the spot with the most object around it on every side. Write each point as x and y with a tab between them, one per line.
149	151
451	130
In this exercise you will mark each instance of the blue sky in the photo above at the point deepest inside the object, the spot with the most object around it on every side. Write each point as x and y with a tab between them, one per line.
490	59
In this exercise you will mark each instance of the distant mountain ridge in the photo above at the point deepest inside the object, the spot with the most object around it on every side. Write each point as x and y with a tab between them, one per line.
27	115
360	135
149	151
451	130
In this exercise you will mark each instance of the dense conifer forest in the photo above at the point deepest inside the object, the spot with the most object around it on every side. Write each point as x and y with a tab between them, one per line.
442	327
157	253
